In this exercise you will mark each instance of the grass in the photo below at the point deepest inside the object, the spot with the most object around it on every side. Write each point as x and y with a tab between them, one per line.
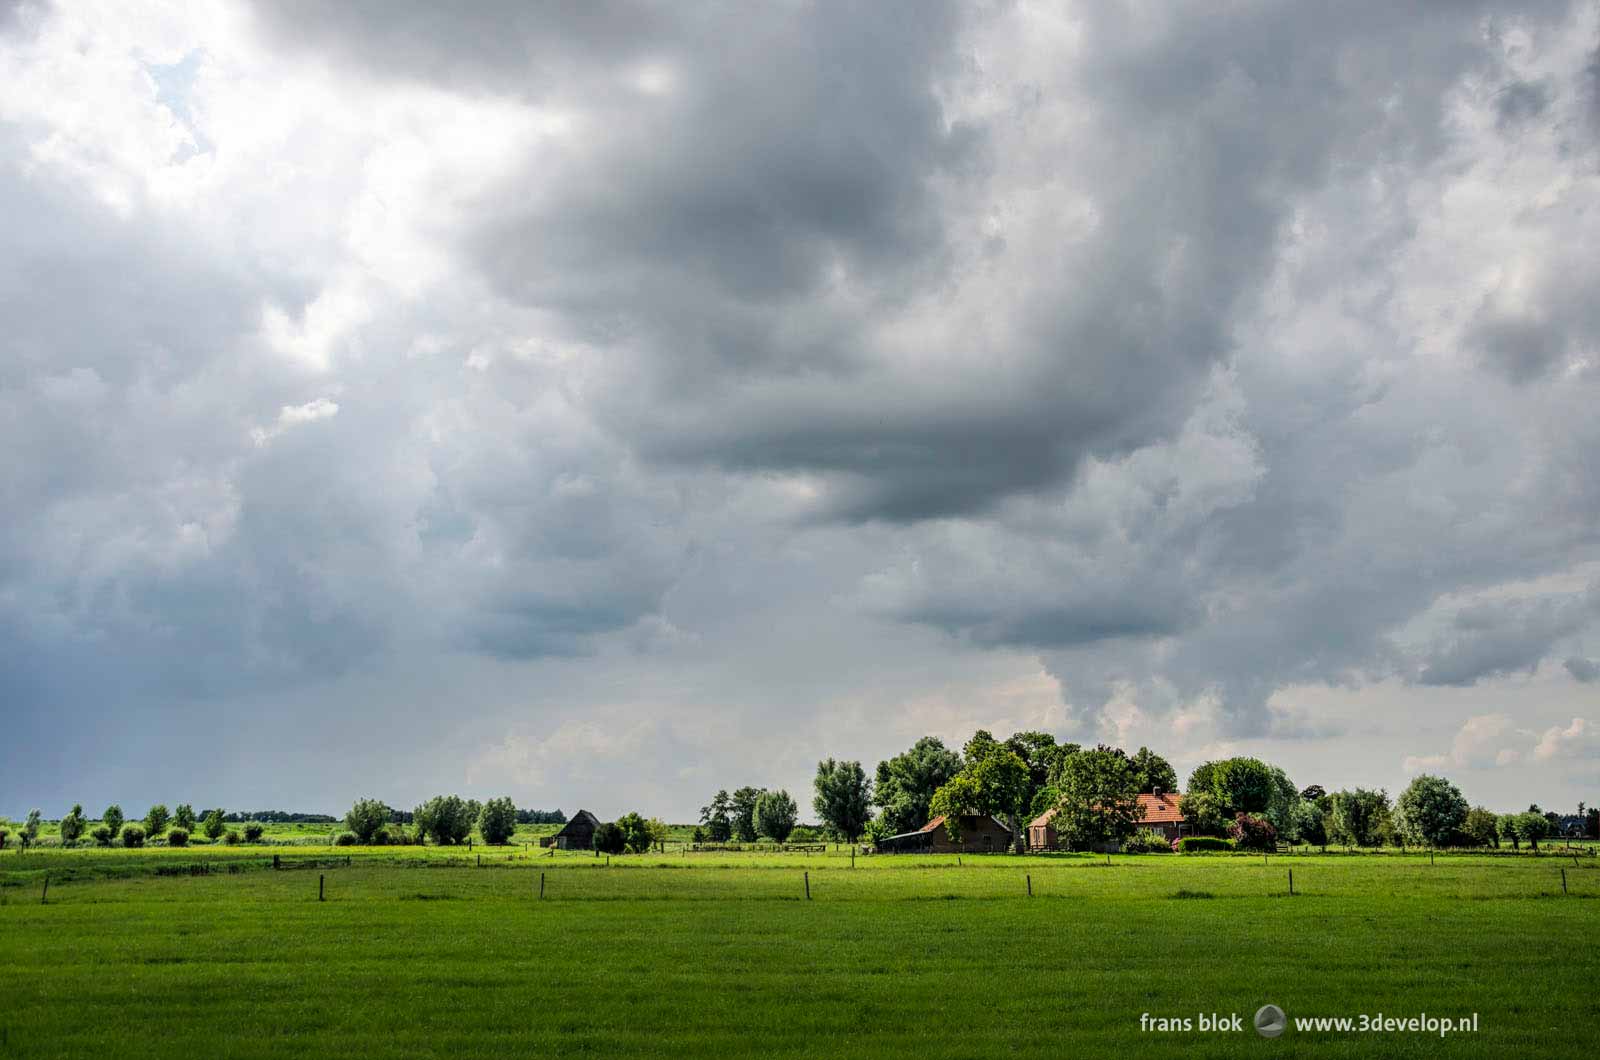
722	955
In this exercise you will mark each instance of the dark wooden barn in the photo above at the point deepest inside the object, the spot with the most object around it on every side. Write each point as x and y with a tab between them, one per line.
576	834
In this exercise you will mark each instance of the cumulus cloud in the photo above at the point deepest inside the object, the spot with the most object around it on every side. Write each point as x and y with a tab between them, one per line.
865	362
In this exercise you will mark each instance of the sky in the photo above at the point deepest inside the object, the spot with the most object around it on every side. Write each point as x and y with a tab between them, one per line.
606	404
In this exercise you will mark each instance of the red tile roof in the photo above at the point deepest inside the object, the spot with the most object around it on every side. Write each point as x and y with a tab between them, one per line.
939	820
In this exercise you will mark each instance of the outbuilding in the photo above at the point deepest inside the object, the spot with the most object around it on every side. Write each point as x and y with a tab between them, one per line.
576	834
980	834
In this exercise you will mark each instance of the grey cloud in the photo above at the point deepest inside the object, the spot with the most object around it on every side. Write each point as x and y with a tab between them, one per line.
1583	670
1494	639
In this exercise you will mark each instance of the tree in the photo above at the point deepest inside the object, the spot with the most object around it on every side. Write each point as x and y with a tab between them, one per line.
73	825
497	821
843	797
1153	772
776	814
1282	805
1533	827
658	830
1508	827
1309	824
1246	785
213	824
112	819
743	813
906	783
1099	797
1430	812
635	833
1039	752
1355	818
5	832
608	839
446	818
1481	828
155	822
718	817
30	830
183	817
366	818
995	780
1313	793
1203	811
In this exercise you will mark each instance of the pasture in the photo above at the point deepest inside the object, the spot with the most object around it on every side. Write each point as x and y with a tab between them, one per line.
421	952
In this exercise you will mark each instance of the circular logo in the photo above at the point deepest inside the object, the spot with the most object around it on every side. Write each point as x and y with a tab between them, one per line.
1270	1021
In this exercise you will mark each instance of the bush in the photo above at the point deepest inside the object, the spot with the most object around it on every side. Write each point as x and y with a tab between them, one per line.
177	838
1147	841
805	834
132	835
1191	844
232	838
101	836
366	818
345	839
608	839
252	832
213	825
1253	833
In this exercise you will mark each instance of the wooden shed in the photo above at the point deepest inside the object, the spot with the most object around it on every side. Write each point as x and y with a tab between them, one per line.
980	834
576	834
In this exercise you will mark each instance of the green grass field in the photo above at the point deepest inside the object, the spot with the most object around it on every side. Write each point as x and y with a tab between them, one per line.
419	952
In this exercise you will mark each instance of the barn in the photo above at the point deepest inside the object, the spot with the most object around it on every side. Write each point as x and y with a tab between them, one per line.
576	834
980	833
1161	814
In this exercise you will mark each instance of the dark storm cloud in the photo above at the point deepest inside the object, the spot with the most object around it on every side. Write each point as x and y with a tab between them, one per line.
390	354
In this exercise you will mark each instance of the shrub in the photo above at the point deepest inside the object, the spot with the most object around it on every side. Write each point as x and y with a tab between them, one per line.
635	833
183	817
345	839
155	822
1147	841
101	836
132	836
497	820
1253	833
231	838
608	839
805	834
1192	843
6	832
72	826
252	832
113	819
177	838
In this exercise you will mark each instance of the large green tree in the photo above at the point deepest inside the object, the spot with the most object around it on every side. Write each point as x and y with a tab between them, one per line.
843	797
1430	812
906	783
183	817
995	780
112	819
447	819
366	818
73	825
636	833
742	807
776	814
155	822
497	821
1357	817
1099	797
1153	772
718	818
1482	827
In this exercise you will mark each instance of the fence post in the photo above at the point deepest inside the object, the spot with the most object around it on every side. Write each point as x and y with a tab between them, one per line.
541	885
321	879
1291	881
1563	881
1030	885
274	861
480	861
46	893
808	885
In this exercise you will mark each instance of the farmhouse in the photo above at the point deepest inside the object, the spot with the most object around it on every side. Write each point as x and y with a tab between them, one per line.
577	834
980	833
1161	815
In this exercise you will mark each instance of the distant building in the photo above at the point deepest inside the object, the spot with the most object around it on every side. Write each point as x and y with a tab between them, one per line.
1571	826
576	834
980	834
1161	815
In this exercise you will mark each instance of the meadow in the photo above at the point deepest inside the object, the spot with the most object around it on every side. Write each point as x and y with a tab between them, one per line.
419	951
